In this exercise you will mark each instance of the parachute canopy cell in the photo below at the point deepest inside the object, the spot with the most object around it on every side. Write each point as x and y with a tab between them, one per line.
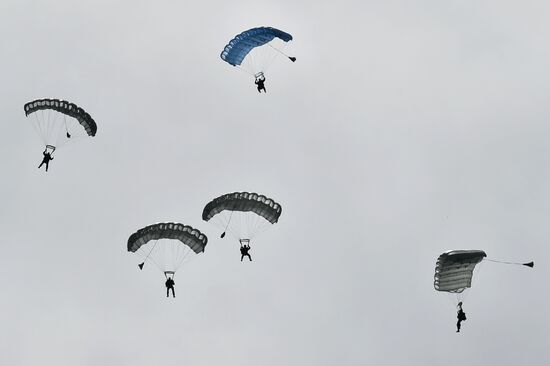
193	238
454	269
237	49
244	202
64	107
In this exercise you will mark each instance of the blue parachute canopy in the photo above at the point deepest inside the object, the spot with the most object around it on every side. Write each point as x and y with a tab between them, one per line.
237	49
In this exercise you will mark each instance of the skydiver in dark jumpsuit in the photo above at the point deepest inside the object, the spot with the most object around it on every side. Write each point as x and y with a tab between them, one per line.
170	286
260	84
461	316
46	159
244	252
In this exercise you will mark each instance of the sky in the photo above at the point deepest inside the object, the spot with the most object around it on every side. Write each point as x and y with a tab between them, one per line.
404	129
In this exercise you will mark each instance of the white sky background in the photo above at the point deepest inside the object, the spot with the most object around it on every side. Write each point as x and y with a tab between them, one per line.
405	128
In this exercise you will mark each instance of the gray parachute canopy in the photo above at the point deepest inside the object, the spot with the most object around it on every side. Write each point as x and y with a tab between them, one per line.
244	202
193	238
64	107
454	269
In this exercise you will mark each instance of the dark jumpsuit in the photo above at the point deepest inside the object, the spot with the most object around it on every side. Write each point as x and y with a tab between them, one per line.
45	160
170	286
260	85
244	252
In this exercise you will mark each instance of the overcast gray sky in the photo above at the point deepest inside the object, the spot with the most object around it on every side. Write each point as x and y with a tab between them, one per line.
405	128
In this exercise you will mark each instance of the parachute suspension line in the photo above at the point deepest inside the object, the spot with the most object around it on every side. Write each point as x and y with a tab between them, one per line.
247	65
52	130
245	225
241	227
252	60
274	55
259	225
262	58
66	128
254	225
148	254
53	133
48	125
57	129
227	225
257	60
178	253
454	298
220	221
159	266
243	70
264	226
171	252
529	264
42	122
53	127
38	128
184	256
476	274
293	59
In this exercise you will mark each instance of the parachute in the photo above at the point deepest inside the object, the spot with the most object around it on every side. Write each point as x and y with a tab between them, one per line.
242	214
167	245
454	270
58	121
255	49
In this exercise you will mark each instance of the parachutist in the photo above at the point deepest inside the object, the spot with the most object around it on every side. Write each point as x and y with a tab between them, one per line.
461	316
170	286
244	252
454	270
243	48
260	84
166	245
46	159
